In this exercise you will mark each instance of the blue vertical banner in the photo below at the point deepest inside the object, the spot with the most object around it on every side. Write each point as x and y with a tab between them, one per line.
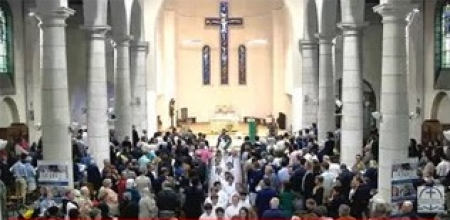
242	50
206	65
224	43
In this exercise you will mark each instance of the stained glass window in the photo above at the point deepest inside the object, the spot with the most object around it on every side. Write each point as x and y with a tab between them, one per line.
242	65
6	40
442	36
206	65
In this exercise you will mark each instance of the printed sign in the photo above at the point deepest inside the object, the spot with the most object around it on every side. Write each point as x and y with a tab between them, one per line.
53	172
402	184
430	199
54	177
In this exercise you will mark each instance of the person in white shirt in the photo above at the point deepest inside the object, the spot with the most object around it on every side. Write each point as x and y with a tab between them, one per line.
209	212
229	186
443	167
234	207
215	200
244	200
334	168
222	196
328	180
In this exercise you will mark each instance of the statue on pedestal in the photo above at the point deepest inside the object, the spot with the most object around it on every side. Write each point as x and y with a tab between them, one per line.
172	112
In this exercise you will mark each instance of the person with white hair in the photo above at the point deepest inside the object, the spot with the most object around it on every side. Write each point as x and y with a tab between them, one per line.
143	181
147	205
274	212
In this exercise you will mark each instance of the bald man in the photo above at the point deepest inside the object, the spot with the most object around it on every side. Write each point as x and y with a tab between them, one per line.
407	210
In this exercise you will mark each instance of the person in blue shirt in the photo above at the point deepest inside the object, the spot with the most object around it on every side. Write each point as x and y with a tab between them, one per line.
19	171
264	196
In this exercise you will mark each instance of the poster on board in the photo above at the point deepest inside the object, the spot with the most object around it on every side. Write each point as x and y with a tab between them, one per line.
54	176
404	175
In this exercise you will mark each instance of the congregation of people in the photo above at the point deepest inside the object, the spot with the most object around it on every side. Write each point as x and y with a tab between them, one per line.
182	175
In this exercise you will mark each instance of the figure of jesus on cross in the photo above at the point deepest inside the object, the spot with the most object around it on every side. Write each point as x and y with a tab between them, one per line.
223	22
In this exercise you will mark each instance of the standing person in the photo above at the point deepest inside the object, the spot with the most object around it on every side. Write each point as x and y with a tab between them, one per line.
224	140
19	171
147	205
167	201
194	200
264	196
274	212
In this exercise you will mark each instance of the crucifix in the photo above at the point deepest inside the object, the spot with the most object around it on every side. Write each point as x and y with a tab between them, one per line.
223	21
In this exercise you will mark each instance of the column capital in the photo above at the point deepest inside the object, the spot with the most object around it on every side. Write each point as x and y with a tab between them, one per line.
394	12
140	46
96	31
325	38
123	40
308	44
352	28
53	18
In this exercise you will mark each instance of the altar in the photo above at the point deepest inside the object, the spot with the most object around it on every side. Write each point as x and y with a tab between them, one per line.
224	117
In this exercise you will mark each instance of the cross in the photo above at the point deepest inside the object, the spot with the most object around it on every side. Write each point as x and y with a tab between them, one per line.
430	192
223	21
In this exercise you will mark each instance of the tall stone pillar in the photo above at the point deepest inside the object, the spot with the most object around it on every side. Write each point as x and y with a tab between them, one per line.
97	97
138	71
352	122
394	125
55	122
310	81
151	87
352	129
122	90
326	110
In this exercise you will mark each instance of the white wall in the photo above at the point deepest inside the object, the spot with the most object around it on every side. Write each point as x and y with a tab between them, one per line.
265	90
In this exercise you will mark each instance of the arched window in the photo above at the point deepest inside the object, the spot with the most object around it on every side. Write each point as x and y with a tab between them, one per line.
6	40
442	37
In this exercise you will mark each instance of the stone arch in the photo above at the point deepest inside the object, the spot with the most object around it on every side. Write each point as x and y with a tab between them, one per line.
441	107
8	112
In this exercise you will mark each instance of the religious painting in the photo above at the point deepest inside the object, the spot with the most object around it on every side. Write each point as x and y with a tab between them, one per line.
242	50
206	65
223	22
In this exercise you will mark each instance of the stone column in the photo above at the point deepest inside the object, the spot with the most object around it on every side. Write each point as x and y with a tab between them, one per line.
138	71
394	125
97	97
326	110
310	81
122	101
152	96
55	122
352	122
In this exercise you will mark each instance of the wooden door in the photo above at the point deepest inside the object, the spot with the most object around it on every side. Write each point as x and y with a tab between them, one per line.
432	131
